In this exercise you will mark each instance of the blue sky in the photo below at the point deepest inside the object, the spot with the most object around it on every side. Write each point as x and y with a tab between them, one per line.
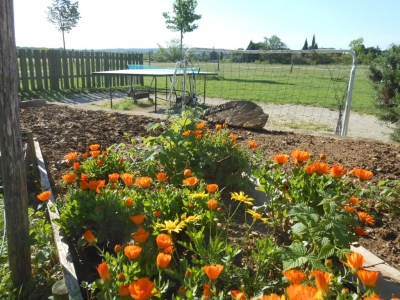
224	24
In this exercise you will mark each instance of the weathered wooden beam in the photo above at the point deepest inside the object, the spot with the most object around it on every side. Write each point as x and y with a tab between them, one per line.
32	103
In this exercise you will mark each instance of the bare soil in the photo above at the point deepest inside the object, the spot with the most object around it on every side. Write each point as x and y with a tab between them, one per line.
61	129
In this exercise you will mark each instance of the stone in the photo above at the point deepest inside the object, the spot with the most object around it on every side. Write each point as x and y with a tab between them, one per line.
244	114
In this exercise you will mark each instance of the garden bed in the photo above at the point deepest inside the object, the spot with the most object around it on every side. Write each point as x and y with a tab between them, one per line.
60	130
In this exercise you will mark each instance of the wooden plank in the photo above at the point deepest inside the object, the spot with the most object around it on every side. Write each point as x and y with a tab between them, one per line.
98	67
71	68
32	103
45	70
53	70
78	70
68	268
38	69
92	68
82	56
31	72
107	68
64	61
88	73
24	69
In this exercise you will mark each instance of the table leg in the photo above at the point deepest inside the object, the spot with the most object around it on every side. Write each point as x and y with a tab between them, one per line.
155	94
110	93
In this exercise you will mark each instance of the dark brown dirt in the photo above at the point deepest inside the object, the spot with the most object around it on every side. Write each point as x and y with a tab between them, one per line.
61	129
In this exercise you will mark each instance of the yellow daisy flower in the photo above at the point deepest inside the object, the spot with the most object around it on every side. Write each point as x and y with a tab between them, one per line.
172	226
257	216
193	218
242	198
198	195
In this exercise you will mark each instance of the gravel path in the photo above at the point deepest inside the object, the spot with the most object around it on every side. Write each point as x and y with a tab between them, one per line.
305	119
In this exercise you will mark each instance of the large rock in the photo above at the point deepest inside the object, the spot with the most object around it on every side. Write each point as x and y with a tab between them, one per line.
244	114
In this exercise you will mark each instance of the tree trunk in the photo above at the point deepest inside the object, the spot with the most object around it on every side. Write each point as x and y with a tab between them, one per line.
181	44
12	162
63	39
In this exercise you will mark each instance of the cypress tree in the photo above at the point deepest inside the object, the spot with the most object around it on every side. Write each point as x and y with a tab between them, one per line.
305	47
313	42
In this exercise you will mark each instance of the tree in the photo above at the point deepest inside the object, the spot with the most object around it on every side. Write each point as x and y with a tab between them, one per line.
313	42
274	43
170	54
64	15
305	47
358	47
12	162
184	16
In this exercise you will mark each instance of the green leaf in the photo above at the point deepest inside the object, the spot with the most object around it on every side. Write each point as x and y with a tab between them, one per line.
326	251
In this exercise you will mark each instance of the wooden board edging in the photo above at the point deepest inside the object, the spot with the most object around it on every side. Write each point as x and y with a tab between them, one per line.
71	280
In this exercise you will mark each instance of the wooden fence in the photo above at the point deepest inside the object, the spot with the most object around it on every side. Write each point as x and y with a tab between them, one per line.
59	69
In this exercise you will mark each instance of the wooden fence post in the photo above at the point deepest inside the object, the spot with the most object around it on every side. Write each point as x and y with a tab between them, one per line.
59	291
13	167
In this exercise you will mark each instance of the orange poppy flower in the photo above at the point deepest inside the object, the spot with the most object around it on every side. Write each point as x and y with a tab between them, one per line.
89	237
161	177
338	171
187	173
103	270
310	169
301	292
322	156
127	178
281	158
198	137
95	185
300	156
200	125
132	251
196	132
71	156
141	235
294	276
206	291
138	219
104	153
218	126
94	147
100	163
163	260
113	177
349	208
272	297
252	144
157	213
366	218
121	160
359	231
129	202
191	181
186	133
121	277
85	155
354	200
321	167
238	295
213	271
233	138
83	185
376	297
211	188
212	204
355	261
163	241
322	279
44	196
69	178
142	289
362	174
84	177
143	182
124	291
368	278
94	153
182	291
77	166
117	248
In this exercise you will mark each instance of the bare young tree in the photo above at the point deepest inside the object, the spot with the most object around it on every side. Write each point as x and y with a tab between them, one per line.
64	15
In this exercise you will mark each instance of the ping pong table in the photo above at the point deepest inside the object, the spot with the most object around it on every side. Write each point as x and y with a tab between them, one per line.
155	73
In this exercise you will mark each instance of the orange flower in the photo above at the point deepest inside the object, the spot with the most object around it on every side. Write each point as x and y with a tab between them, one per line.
211	188
310	169
366	218
186	133
196	132
76	166
157	213
124	291
138	219
69	178
338	171
322	279
113	177
294	276
94	153
71	156
142	289
94	147
354	200
84	177
362	174
121	277
143	182
128	202
218	126
141	235
187	173
104	153
321	168
272	297
368	278
44	196
118	248
132	251
103	271
100	163
252	144
355	261
127	178
95	185
85	155
182	291
121	160
163	241
199	136
212	204
163	260
206	291
300	156
238	295
161	177
213	271
376	297
234	138
349	208
200	125
322	156
359	231
191	181
281	158
301	292
89	237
